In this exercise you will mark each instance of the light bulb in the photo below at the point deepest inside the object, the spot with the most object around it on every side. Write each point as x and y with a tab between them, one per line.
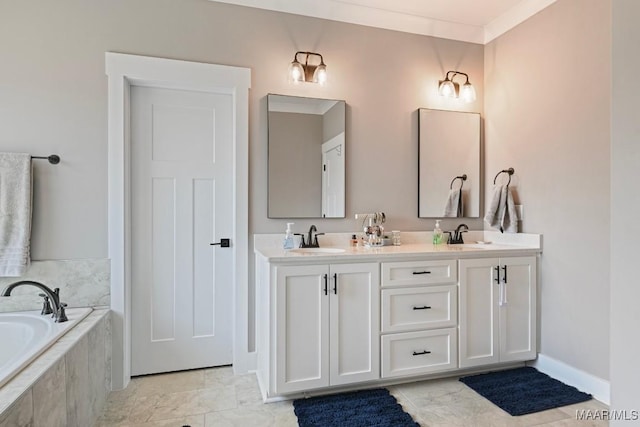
447	89
296	73
320	75
468	92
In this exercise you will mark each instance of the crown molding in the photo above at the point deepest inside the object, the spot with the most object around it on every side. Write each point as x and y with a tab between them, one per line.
337	10
522	11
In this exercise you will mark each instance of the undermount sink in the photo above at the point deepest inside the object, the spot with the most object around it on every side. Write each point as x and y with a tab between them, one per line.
476	245
317	251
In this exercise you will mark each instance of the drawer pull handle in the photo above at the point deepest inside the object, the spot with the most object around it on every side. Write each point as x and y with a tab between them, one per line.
420	353
421	272
424	307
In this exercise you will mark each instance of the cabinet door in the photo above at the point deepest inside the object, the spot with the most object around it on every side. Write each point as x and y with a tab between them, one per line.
478	312
354	323
518	309
302	328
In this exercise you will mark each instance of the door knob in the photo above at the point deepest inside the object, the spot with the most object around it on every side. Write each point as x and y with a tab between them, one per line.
223	243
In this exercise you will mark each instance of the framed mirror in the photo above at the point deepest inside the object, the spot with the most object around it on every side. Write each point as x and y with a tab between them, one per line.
449	164
306	169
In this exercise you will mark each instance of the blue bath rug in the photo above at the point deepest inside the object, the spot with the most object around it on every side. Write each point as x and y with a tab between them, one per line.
525	390
367	408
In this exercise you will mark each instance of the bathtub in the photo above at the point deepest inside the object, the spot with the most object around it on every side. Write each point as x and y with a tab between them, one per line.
26	335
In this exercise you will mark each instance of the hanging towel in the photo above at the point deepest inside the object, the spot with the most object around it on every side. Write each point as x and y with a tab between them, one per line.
15	213
501	212
453	207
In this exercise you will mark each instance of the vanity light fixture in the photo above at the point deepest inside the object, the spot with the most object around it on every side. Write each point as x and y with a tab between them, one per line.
450	89
306	72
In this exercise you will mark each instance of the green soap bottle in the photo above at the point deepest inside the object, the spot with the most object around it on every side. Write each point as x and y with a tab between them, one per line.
437	233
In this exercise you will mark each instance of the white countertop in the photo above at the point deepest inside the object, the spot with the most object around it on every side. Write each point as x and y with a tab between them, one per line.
269	247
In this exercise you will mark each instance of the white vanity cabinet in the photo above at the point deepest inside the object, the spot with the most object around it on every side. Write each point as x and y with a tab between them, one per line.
419	317
351	318
326	325
497	310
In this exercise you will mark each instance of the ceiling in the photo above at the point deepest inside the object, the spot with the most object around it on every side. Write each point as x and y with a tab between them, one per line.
475	21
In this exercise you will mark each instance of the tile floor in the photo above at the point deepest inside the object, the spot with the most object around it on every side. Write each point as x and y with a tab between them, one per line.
215	397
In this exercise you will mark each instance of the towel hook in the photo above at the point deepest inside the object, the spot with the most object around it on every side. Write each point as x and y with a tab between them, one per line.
462	179
509	171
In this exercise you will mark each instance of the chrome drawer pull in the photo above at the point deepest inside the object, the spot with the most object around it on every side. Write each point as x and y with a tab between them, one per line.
415	353
424	307
421	272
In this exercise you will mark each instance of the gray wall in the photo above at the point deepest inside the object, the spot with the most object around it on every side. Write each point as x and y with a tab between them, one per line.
547	105
625	209
547	115
53	94
53	98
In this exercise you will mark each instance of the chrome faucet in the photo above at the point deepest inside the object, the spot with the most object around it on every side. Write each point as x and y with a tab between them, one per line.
455	237
54	296
312	239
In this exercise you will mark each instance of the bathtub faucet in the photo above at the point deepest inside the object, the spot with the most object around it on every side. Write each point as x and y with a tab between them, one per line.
54	296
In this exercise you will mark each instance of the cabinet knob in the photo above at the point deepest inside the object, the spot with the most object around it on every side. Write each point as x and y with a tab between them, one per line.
420	353
424	307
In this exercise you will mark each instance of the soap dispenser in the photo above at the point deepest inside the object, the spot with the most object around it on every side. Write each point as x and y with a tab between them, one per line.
437	233
288	237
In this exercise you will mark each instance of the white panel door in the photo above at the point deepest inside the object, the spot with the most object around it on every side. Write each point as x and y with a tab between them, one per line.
354	309
478	311
302	332
182	178
333	171
518	309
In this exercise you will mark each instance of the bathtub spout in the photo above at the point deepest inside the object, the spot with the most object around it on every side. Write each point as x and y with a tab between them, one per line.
54	297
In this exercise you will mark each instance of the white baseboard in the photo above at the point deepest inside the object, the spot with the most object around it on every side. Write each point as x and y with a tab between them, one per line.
583	381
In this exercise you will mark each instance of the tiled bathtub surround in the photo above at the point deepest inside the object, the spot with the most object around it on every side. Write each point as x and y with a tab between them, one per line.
67	385
82	283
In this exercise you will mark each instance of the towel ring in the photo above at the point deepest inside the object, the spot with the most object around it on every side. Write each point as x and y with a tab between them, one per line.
462	179
509	171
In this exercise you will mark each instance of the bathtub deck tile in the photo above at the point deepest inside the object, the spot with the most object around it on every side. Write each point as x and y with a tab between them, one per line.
50	398
20	413
96	355
22	384
77	384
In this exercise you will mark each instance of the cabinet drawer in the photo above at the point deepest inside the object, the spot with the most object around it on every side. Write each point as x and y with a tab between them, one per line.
426	307
418	273
415	353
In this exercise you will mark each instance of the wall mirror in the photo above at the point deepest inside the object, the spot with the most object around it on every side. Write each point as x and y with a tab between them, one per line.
449	164
306	157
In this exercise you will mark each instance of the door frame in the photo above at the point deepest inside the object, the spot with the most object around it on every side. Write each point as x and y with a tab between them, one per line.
124	71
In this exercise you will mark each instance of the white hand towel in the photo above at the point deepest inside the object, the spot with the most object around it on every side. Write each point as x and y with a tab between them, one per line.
501	211
492	207
454	208
510	216
15	213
